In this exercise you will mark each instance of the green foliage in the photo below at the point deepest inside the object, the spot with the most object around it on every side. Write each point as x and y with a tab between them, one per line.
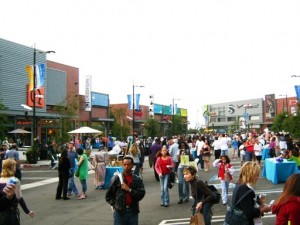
69	111
177	126
3	121
151	128
120	131
288	123
120	127
279	121
33	152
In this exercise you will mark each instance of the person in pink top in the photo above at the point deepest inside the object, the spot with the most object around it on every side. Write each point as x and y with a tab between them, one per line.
163	166
286	207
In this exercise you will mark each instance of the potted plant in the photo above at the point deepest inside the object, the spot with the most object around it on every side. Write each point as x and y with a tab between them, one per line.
33	153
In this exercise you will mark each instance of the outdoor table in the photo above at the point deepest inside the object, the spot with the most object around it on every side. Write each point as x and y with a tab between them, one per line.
265	153
110	173
279	171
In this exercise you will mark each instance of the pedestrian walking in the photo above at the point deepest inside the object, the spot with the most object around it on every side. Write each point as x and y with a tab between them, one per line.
125	192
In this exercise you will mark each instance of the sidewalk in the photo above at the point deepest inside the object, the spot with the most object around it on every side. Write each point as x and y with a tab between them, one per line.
46	162
40	163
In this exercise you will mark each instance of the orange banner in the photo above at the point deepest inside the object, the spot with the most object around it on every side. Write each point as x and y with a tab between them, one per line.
39	97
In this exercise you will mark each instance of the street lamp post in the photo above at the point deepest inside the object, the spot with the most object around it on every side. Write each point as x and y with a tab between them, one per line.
34	130
173	112
133	109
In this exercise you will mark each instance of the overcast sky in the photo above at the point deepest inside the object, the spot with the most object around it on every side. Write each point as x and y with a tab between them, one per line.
202	52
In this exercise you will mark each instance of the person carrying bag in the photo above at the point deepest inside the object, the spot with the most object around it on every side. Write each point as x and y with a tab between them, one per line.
236	216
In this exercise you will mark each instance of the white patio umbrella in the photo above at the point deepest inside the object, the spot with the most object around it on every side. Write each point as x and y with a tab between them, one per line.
19	131
85	130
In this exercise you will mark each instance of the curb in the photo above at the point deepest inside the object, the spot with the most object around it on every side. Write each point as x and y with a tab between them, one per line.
39	164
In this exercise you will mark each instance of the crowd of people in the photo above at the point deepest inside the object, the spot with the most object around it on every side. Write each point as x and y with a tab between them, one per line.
178	155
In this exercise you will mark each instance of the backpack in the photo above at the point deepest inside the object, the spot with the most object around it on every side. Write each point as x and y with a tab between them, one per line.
216	194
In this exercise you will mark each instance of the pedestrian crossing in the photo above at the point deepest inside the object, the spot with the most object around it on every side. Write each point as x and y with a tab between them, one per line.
215	220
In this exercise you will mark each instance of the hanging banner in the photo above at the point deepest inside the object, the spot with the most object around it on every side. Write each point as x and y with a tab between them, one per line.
136	101
37	92
87	96
297	89
270	106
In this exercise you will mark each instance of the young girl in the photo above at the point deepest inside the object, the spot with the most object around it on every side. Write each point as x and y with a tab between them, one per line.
258	150
163	166
224	174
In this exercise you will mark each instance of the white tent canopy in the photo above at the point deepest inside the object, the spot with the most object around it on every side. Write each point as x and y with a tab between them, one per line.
85	130
19	131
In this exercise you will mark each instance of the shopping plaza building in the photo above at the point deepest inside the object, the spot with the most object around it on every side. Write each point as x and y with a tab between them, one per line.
58	85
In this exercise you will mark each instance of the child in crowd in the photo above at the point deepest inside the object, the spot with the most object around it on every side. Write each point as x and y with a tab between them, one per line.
258	150
242	154
224	174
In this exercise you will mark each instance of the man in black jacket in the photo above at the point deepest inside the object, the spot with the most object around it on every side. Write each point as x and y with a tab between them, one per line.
124	193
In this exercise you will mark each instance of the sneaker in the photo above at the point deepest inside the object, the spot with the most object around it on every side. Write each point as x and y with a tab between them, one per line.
69	194
180	201
66	198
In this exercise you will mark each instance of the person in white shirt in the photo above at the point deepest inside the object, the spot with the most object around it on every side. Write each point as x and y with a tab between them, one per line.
258	150
199	145
173	150
224	145
217	147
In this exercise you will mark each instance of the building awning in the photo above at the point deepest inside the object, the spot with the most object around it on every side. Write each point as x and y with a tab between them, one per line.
103	119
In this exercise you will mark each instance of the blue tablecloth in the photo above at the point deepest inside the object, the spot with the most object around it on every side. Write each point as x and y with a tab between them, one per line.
265	153
110	173
279	171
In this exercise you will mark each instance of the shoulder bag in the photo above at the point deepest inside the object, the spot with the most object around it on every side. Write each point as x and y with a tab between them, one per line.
236	216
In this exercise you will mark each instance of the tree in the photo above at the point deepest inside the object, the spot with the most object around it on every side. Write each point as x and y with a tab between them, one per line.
290	123
177	126
151	128
69	111
278	123
120	127
3	121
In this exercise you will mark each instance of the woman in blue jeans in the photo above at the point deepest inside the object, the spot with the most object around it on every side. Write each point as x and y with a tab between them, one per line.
163	166
200	192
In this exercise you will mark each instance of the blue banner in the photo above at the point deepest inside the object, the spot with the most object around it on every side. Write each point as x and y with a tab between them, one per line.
297	89
136	101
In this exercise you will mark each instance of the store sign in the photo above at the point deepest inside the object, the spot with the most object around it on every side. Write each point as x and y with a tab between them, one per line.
88	97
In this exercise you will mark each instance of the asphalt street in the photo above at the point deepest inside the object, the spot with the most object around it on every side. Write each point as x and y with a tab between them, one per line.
39	187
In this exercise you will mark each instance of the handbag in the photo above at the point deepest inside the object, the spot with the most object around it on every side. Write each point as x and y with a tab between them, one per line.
197	219
236	216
